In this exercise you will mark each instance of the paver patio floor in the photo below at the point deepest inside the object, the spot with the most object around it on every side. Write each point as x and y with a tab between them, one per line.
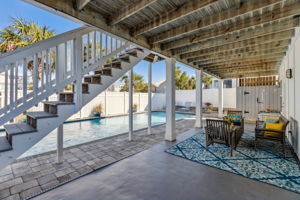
32	175
156	175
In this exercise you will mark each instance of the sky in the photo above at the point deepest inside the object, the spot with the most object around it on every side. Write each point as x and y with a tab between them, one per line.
20	9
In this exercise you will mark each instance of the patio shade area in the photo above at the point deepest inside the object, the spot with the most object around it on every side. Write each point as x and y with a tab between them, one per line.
225	38
248	151
154	174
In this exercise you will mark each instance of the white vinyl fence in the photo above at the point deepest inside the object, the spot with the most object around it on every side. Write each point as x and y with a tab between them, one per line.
116	103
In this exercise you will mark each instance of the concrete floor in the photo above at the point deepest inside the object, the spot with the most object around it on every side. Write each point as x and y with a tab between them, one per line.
154	174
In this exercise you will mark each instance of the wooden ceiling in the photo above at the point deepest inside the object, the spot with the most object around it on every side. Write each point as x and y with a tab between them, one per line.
226	38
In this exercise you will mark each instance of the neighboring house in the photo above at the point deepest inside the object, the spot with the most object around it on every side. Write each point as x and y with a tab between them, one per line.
115	87
160	87
229	83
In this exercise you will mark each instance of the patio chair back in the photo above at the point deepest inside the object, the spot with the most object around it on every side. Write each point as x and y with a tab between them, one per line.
217	131
235	112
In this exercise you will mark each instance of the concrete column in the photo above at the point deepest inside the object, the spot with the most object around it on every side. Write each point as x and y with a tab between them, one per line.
149	96
199	93
130	96
60	143
220	98
170	100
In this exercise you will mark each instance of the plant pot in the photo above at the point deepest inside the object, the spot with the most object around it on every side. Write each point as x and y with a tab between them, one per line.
97	114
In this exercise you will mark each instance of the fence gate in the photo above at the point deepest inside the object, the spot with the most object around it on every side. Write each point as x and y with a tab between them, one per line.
257	94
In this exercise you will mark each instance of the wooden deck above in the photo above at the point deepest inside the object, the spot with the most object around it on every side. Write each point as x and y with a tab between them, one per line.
227	38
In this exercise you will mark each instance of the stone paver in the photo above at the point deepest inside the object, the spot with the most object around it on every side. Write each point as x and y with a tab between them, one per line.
32	175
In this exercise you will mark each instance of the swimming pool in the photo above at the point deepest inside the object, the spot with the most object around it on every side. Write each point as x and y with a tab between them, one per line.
89	130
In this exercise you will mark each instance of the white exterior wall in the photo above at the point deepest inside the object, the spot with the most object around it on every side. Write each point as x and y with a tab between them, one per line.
290	90
209	95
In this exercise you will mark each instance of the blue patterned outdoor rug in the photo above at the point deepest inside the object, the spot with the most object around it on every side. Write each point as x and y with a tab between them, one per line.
267	164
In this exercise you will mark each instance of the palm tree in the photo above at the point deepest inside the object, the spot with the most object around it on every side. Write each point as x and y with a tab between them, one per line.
21	33
183	81
138	83
207	80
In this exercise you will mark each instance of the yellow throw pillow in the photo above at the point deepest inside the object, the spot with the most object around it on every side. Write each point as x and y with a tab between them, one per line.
278	126
273	118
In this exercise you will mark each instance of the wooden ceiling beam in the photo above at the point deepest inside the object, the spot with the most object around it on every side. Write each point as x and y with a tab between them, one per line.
270	16
241	63
277	56
248	74
250	38
244	69
130	10
80	4
228	49
220	66
238	10
239	55
255	58
186	9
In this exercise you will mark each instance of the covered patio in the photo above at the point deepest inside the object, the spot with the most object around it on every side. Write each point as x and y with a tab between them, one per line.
255	42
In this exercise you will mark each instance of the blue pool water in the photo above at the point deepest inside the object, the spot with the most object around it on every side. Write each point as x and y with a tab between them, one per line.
89	130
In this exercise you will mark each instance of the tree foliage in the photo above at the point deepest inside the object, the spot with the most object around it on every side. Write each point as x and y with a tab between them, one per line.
138	84
183	81
21	33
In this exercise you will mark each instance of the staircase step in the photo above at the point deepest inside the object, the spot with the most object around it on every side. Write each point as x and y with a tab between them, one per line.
93	79
85	88
116	65
56	103
66	96
135	49
106	72
17	129
124	58
40	115
130	53
4	144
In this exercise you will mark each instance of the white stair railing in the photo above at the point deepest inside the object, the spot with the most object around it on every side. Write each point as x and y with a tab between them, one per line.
32	73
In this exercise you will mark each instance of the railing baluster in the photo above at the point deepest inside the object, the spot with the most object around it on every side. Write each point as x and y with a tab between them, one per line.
88	50
111	43
47	68
94	46
24	80
73	57
57	66
100	46
42	70
11	88
66	61
35	74
6	87
16	83
106	47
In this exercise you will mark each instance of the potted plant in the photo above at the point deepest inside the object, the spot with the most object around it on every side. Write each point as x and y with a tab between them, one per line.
134	107
97	110
208	107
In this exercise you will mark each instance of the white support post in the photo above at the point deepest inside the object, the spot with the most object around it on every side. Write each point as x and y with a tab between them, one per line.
78	63
60	143
199	93
106	103
149	97
170	100
220	98
130	105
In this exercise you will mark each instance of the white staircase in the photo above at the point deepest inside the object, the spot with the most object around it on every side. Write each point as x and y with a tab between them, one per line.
79	58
